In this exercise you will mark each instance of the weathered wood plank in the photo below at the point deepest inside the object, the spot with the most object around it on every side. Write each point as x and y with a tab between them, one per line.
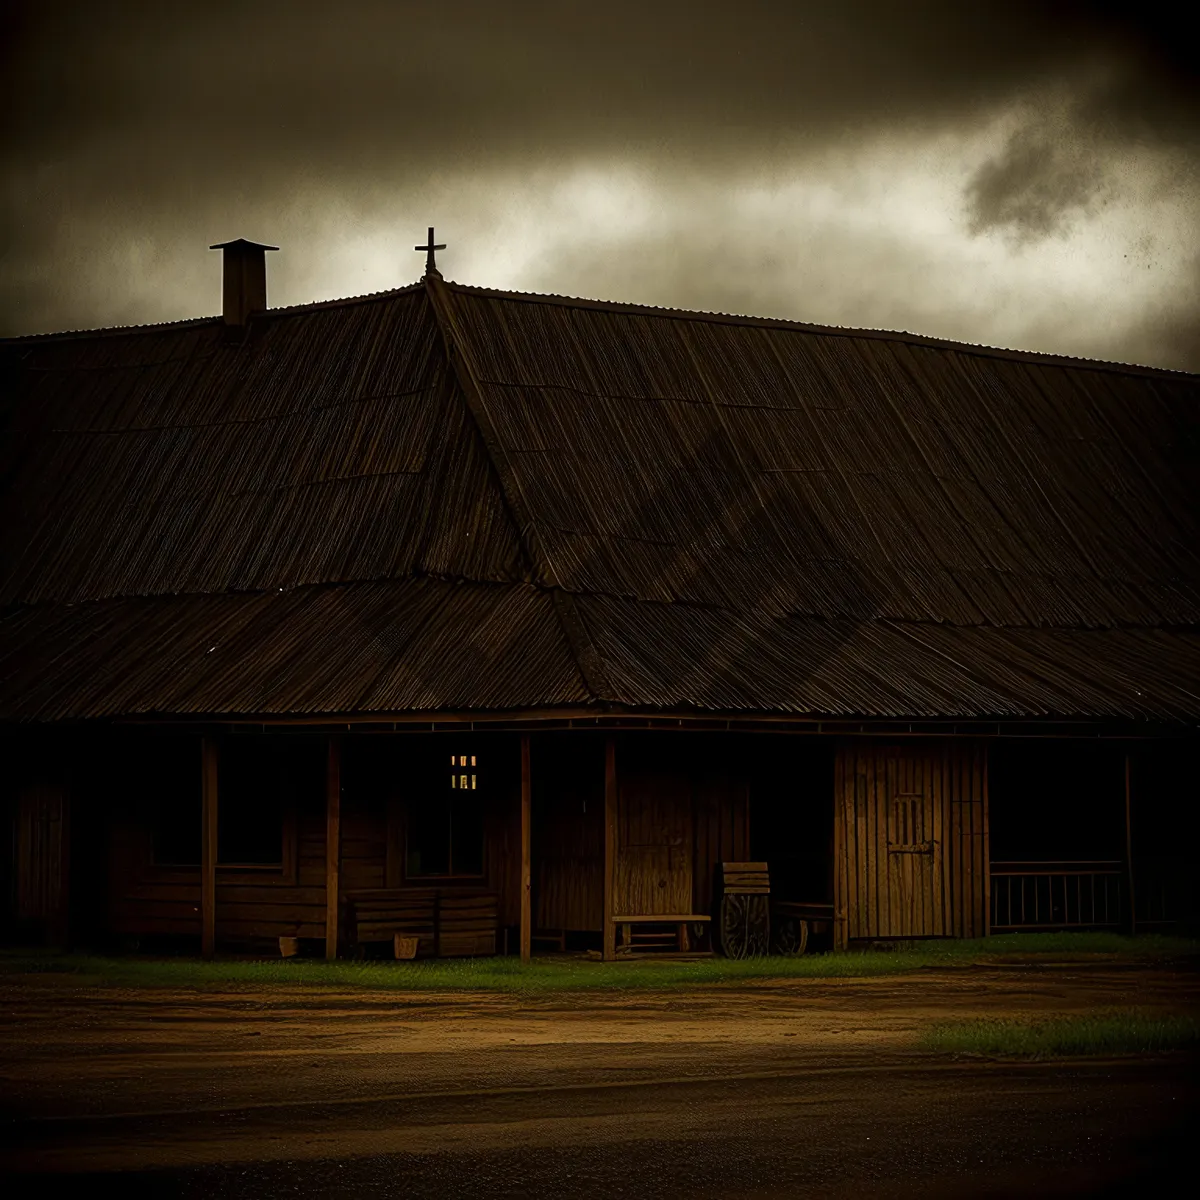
208	847
285	915
526	844
333	842
270	891
661	918
861	798
840	875
610	845
944	817
959	840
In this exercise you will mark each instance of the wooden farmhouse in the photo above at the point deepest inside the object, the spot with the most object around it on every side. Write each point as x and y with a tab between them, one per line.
451	621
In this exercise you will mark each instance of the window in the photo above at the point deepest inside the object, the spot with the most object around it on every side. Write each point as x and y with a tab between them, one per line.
445	831
164	775
262	782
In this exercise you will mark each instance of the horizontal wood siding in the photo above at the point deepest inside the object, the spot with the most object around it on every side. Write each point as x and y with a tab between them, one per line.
685	808
364	843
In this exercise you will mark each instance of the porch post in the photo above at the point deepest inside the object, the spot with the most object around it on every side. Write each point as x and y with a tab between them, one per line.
610	844
208	847
526	844
1129	847
841	923
333	842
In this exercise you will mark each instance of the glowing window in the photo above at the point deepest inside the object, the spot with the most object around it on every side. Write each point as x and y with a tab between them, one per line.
445	829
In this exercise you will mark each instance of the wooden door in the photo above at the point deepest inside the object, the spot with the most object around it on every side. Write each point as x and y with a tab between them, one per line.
910	839
913	811
654	844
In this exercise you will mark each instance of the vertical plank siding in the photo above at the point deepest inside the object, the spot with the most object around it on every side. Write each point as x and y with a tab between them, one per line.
568	833
568	861
610	845
654	843
526	921
910	835
721	832
502	856
841	860
208	842
42	859
333	843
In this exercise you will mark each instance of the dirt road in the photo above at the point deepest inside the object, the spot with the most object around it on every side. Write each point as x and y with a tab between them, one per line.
767	1090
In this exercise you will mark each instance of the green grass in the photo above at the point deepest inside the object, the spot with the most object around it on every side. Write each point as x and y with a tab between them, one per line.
575	974
1099	1033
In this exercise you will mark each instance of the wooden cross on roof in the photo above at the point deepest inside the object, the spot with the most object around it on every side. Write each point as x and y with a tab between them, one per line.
429	248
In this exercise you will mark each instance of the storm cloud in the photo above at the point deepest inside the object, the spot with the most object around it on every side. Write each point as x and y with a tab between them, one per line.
995	172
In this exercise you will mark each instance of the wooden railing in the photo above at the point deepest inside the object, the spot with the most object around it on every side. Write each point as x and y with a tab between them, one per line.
1058	895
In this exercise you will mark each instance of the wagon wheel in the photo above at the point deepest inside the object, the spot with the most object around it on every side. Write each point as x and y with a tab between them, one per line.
745	925
791	935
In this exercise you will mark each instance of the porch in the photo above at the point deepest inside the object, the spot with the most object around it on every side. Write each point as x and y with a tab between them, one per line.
473	842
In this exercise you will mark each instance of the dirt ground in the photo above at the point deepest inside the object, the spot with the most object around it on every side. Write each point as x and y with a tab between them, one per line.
760	1089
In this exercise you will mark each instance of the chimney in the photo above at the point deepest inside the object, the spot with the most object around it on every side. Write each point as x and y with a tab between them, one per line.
245	285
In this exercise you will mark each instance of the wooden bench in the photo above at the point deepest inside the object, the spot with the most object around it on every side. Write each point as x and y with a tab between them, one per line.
445	923
638	932
466	924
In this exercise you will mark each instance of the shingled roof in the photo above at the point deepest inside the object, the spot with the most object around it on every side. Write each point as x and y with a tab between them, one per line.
450	500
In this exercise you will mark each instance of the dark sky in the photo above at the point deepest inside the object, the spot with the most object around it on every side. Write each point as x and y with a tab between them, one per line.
999	172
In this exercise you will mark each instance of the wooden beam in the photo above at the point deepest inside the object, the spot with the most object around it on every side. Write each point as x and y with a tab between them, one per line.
333	842
526	848
841	882
610	844
208	846
1129	846
987	841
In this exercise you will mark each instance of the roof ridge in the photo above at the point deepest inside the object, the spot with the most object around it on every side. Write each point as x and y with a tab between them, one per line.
656	310
891	335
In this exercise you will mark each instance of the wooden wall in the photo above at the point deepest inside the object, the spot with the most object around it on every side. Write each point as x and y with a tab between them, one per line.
683	807
568	832
149	900
684	802
911	839
41	859
720	822
255	907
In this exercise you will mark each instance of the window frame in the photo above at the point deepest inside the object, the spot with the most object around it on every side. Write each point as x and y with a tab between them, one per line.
459	770
285	871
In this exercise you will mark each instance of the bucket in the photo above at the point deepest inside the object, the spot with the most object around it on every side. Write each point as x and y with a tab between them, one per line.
289	947
406	947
